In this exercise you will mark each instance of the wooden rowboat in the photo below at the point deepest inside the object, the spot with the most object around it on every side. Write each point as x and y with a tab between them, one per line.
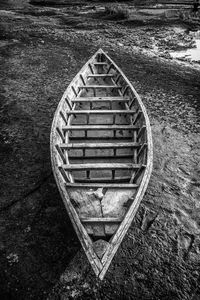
101	152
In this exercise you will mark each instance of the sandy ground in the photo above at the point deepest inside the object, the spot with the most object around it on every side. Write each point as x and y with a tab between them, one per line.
41	49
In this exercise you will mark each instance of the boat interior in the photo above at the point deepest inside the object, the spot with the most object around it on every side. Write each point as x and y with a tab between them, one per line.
101	147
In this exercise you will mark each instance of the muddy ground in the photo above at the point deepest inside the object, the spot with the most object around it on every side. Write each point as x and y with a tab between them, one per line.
41	50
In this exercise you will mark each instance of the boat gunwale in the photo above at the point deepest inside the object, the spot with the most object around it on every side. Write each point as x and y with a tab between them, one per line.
125	224
85	242
100	266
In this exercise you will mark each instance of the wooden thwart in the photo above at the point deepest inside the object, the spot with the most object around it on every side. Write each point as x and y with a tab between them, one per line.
101	220
101	185
99	87
100	64
101	99
100	112
100	127
100	75
99	145
101	166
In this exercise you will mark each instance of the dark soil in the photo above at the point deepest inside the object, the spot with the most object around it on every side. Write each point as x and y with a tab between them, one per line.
41	50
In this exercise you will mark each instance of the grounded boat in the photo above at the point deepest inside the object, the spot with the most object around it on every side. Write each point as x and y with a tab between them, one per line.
102	155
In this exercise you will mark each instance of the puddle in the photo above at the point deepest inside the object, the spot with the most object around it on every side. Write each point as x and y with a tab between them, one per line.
192	54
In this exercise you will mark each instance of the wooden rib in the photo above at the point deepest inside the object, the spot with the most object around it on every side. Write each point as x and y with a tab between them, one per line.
63	117
82	79
68	102
100	111
124	91
132	102
60	134
73	89
101	220
103	185
91	69
63	173
140	132
137	175
138	115
144	146
117	79
100	127
99	145
61	154
101	166
101	99
99	87
110	67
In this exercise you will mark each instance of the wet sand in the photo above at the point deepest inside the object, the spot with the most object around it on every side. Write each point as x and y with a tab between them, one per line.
41	50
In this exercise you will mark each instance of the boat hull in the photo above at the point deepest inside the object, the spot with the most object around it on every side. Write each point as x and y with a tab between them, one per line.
102	155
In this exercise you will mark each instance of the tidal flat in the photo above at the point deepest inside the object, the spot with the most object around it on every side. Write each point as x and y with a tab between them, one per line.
41	49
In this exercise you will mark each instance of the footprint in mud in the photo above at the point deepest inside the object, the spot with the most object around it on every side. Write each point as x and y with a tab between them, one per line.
149	218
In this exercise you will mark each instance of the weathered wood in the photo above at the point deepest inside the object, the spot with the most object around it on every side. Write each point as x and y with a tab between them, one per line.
103	156
100	127
100	63
75	92
118	77
61	153
121	179
138	115
141	131
91	69
101	220
101	99
99	87
83	80
126	88
100	166
60	134
63	173
121	231
100	111
122	197
99	145
101	185
110	67
101	138
138	174
63	117
68	102
100	75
